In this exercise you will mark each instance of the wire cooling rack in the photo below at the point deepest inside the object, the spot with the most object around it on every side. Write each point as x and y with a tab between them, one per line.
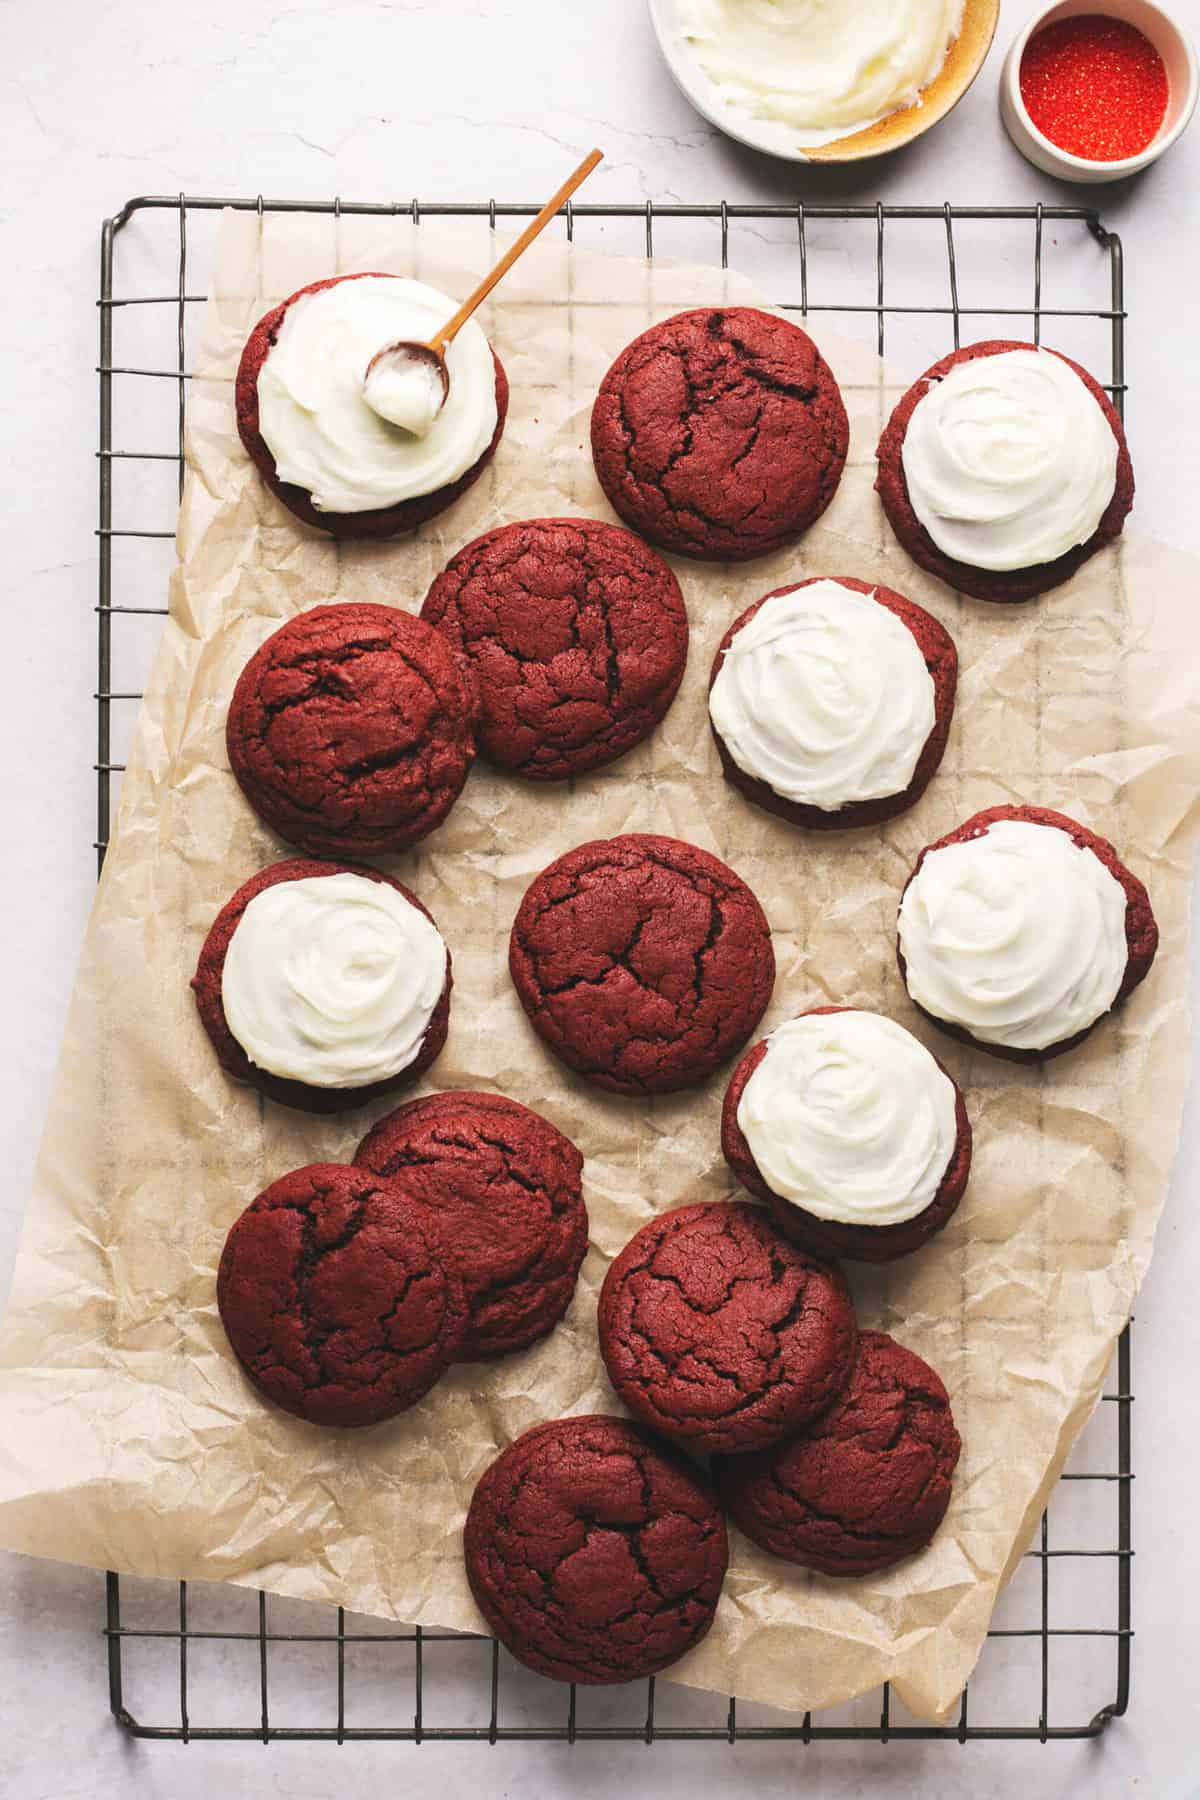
214	1662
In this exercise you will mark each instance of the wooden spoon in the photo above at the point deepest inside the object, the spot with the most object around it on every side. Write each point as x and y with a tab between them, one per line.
411	380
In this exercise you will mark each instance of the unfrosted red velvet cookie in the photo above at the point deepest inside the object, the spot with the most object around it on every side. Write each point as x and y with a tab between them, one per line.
717	1331
336	1297
720	433
941	660
830	1237
642	962
1141	928
577	637
504	1187
865	1486
206	986
1003	585
594	1553
351	730
384	521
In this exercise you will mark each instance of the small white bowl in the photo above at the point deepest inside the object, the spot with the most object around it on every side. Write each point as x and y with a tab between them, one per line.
964	60
1183	81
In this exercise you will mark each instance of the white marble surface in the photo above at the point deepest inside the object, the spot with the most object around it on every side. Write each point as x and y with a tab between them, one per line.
374	98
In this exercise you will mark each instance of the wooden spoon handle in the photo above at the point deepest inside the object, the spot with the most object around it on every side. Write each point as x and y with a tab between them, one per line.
438	342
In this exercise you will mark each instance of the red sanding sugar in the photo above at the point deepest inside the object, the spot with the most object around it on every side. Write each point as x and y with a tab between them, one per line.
1094	86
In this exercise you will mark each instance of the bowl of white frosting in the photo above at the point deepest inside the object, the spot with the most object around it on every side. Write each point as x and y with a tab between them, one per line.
824	80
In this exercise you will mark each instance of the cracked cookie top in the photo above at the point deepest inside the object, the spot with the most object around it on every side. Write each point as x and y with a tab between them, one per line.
720	433
595	1554
351	729
864	1487
335	1296
642	962
504	1186
717	1331
577	637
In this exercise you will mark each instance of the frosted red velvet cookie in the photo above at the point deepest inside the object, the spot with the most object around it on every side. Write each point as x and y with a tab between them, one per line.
831	702
1003	469
1019	930
324	985
363	454
853	1134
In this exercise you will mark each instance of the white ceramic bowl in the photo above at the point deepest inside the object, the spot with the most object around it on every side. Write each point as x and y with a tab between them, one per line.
963	62
1183	81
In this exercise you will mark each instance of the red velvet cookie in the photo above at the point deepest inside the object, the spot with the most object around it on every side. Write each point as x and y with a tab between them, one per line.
504	1186
1141	928
335	1296
206	986
718	1332
1003	585
865	1486
576	634
351	730
595	1554
642	962
720	433
941	659
384	521
830	1237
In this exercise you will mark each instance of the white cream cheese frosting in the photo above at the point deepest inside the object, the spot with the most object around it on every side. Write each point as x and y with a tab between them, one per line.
313	410
825	696
1017	935
850	1117
332	980
1009	460
825	68
406	391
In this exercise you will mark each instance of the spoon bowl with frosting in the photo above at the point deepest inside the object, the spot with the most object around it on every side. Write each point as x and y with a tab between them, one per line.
824	80
408	385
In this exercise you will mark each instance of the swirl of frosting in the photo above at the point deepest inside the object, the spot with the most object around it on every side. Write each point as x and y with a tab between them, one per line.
826	70
1017	935
850	1117
1009	460
313	410
825	696
332	980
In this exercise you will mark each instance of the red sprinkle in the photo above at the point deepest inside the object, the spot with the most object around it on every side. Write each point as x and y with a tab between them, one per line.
1094	86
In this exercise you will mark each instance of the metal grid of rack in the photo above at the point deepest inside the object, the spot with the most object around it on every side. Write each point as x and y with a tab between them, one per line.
799	233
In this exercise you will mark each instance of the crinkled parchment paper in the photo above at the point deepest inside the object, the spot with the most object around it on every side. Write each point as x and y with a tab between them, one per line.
131	1440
